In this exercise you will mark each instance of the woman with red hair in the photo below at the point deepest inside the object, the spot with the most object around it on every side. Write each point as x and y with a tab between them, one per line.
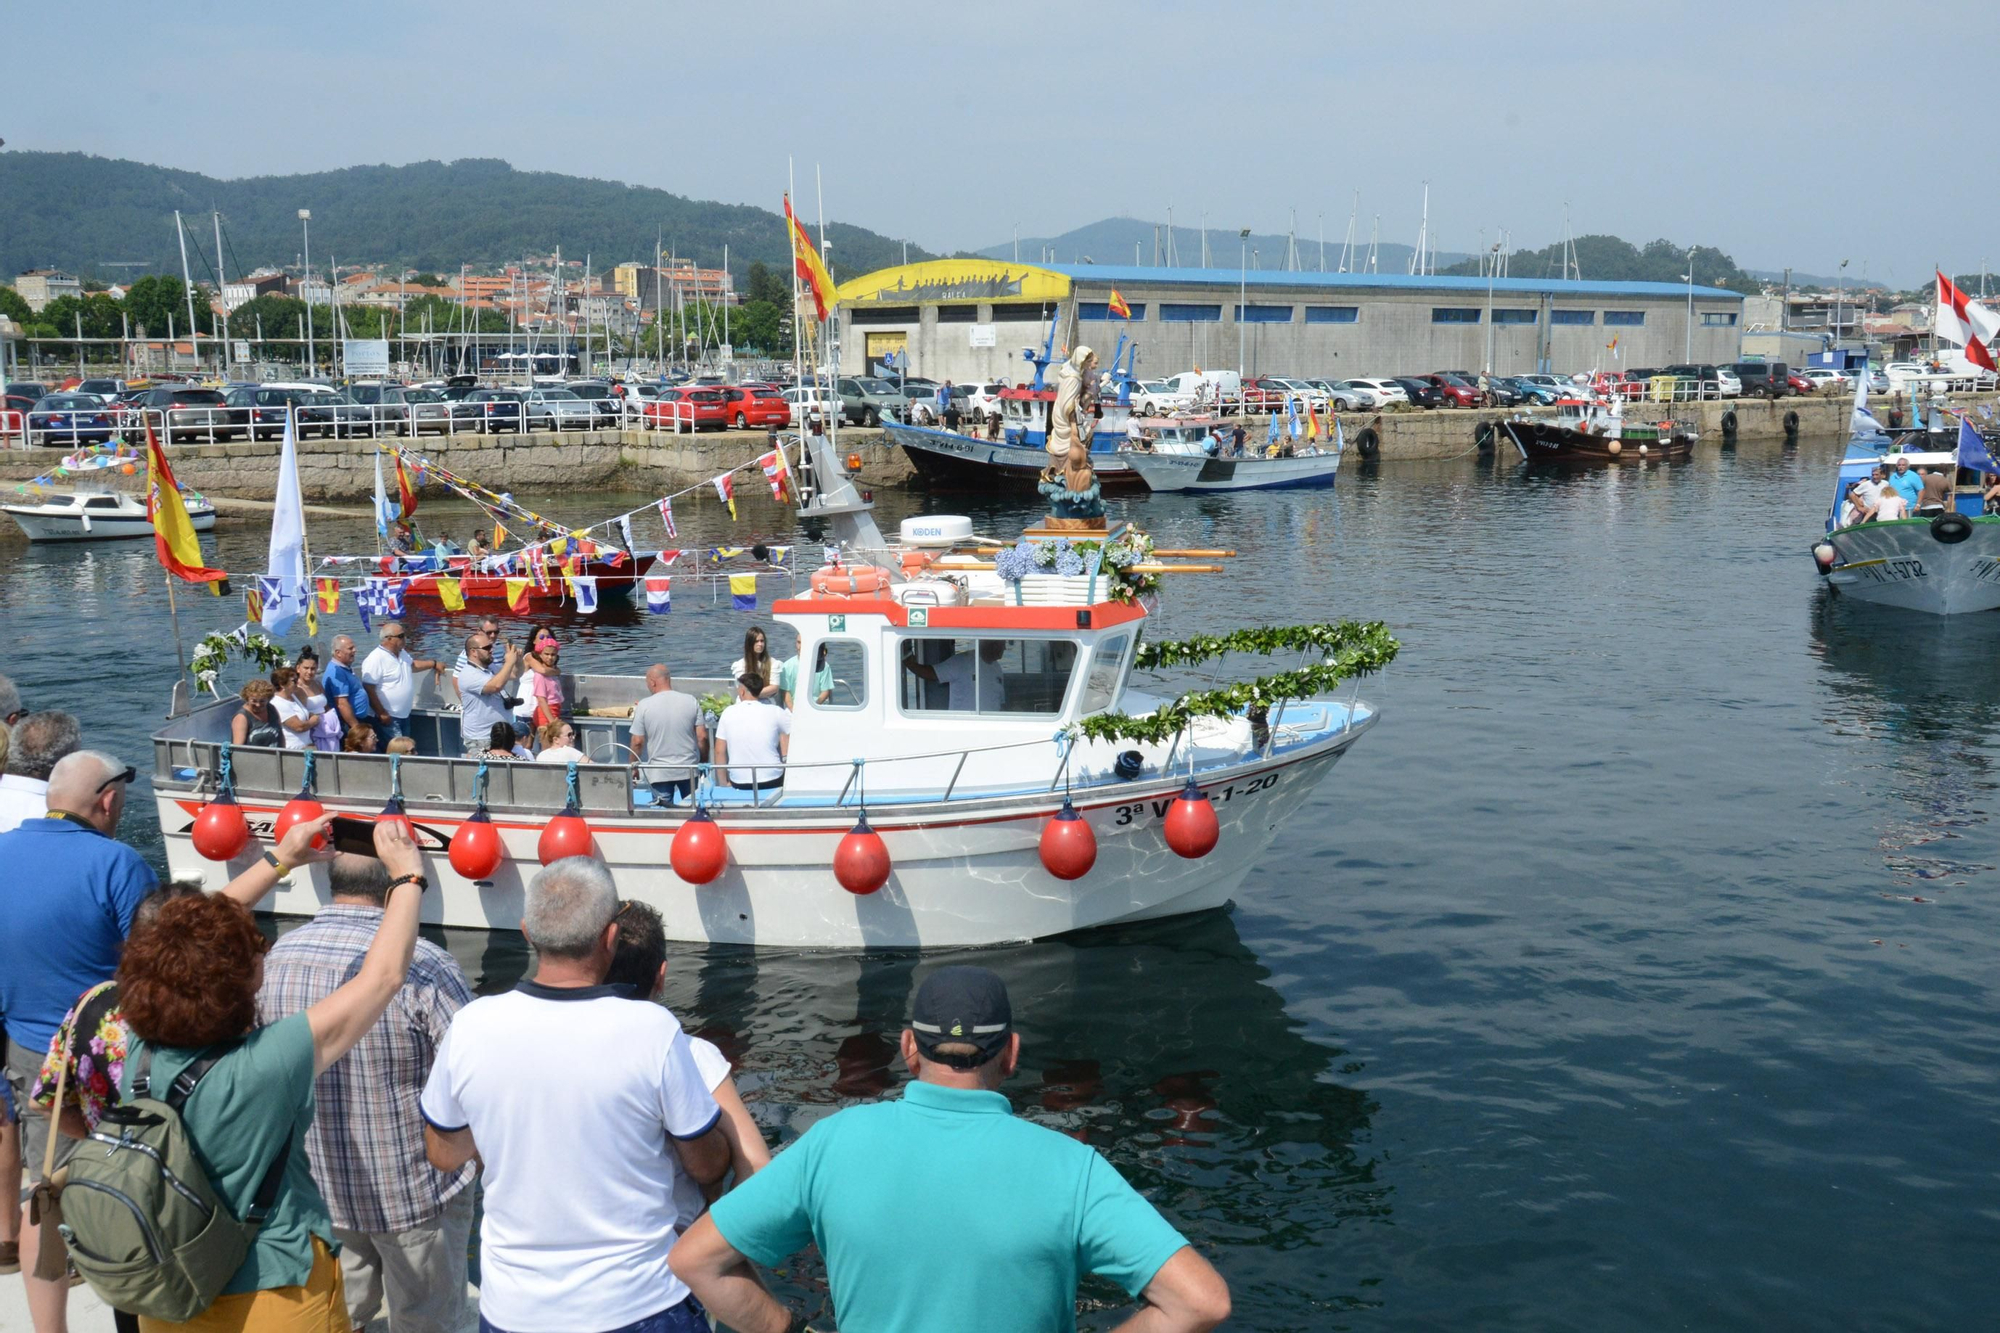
188	985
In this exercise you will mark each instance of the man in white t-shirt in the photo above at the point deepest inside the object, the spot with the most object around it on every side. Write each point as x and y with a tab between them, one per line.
389	674
37	743
570	1094
752	737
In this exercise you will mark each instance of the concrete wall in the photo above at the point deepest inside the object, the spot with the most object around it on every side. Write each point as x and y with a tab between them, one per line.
1394	334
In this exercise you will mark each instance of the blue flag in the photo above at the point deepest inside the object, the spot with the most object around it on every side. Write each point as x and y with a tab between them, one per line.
1972	450
1272	437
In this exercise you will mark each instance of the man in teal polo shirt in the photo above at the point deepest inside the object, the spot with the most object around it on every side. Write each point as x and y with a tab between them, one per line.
942	1210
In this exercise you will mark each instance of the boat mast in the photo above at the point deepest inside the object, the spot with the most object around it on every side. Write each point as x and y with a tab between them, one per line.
187	285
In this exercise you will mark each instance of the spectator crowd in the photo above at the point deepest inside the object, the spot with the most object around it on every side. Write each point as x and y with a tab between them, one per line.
351	1104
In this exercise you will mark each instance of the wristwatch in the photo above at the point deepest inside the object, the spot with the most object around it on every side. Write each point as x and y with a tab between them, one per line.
417	880
271	860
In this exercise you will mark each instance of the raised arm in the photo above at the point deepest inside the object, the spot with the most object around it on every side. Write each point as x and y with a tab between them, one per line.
293	850
344	1017
1187	1295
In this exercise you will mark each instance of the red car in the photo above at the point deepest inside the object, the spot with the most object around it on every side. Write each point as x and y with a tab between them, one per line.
701	408
1799	383
1264	395
1457	393
751	405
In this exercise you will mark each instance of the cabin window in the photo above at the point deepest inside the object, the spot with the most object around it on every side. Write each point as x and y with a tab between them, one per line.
993	676
1100	687
101	502
839	676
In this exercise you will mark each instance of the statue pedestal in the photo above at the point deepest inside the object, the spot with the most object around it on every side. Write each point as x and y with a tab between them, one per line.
1070	527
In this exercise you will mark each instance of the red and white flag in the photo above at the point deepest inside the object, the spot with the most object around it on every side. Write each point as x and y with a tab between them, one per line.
773	464
667	516
725	491
1963	320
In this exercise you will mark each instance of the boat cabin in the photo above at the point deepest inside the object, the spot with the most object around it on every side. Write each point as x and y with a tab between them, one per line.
1173	435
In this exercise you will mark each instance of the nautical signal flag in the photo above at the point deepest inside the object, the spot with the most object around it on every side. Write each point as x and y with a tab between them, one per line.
743	592
406	491
1964	321
1612	346
517	594
329	595
725	490
499	536
174	537
667	517
660	594
773	464
1116	305
253	599
1312	422
450	594
584	588
806	263
312	622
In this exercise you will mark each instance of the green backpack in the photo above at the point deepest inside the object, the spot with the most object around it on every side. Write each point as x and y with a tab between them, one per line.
142	1222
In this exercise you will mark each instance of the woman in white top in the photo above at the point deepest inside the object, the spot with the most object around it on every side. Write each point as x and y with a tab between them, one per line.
559	745
325	734
295	717
756	659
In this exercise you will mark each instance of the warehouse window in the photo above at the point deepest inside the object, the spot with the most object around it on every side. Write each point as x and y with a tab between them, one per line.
1455	314
1333	314
1514	316
1175	313
1572	316
1102	310
884	314
1021	310
1628	318
1263	314
1719	318
958	314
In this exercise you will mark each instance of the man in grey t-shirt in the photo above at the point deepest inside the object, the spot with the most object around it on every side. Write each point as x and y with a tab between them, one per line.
667	736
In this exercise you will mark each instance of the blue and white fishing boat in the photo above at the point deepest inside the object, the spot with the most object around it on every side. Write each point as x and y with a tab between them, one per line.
1192	454
1944	563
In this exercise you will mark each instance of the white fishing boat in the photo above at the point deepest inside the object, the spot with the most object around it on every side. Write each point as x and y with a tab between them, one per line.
1185	454
1041	791
86	515
1945	563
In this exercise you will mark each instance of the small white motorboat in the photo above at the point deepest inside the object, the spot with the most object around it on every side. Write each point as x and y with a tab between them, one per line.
95	516
1183	454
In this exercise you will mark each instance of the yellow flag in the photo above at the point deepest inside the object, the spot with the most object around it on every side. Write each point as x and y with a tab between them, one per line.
558	546
312	621
517	594
449	594
743	592
499	536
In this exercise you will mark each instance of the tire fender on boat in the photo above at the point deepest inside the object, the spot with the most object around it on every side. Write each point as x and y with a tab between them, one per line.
1950	529
1368	442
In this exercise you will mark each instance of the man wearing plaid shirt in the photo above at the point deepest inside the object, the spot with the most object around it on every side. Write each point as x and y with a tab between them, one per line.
403	1226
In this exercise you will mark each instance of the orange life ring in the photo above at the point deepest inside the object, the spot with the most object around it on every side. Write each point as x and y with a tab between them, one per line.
848	581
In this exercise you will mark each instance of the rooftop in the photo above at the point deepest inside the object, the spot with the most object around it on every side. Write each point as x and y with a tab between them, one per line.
1268	278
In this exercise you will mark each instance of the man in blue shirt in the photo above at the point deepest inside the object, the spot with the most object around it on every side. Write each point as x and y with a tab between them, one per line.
942	1210
1907	482
344	693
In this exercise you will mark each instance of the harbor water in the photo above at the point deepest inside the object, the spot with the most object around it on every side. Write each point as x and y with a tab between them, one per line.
1637	971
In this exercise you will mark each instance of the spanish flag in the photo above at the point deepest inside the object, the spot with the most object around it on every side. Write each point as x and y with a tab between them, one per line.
173	531
1312	421
1612	346
806	263
406	491
1117	305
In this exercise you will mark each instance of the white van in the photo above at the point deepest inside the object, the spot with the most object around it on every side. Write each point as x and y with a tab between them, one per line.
1208	386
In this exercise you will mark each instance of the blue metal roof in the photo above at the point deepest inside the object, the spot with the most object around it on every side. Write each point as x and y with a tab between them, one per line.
1221	278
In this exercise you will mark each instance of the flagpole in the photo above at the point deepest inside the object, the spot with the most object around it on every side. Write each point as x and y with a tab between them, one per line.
833	419
174	614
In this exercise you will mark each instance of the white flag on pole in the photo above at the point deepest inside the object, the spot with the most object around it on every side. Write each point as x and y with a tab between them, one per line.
287	565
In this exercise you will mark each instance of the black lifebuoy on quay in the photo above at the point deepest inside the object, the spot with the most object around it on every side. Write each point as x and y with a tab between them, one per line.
1729	424
1791	423
1950	529
1368	442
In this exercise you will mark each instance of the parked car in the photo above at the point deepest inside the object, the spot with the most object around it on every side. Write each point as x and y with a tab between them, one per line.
1153	398
867	401
1824	379
756	406
429	410
1877	381
105	389
332	413
606	404
1455	391
1387	392
1502	392
982	398
1307	392
389	402
259	412
18	403
1420	392
1763	379
699	407
183	413
68	419
557	409
32	390
1527	391
809	400
489	410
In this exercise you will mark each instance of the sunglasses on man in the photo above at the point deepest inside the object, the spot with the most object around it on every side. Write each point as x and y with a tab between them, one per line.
126	777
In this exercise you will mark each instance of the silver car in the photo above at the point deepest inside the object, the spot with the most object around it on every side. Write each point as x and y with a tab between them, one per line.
558	409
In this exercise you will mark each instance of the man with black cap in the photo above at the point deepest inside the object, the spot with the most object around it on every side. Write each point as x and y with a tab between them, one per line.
941	1209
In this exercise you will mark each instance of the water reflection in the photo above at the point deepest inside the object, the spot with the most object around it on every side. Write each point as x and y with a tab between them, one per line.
1920	696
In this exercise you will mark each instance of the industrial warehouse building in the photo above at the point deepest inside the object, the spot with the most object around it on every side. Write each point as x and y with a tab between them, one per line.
969	319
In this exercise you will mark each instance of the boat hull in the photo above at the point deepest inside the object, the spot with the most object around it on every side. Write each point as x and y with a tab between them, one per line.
950	461
1903	564
1547	442
72	527
969	876
612	580
1198	472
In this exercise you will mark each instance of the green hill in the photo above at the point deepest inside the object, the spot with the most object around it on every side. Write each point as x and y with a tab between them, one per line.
1615	260
89	214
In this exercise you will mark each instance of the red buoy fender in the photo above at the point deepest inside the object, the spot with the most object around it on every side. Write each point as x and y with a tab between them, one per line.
476	851
220	832
861	862
392	813
301	809
568	834
1069	846
699	851
1191	826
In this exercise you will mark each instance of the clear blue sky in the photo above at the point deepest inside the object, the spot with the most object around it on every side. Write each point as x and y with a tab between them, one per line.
1798	134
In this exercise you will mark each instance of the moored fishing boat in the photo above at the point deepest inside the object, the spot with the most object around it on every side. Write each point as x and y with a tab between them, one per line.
1184	454
1597	431
978	767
